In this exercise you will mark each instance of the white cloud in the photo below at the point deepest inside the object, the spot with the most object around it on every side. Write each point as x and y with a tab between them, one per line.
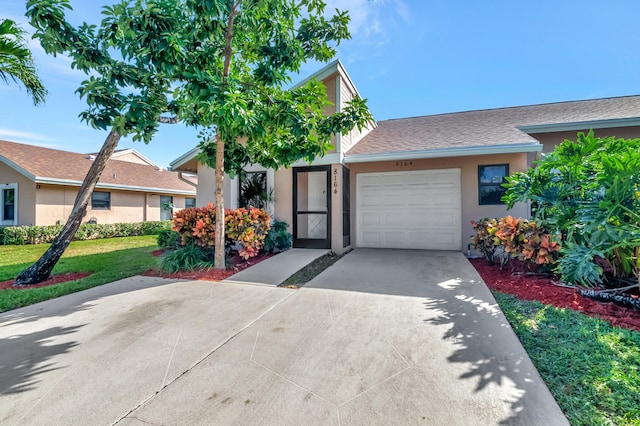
372	19
27	137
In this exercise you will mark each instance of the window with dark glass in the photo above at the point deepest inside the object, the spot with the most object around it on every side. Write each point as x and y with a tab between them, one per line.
253	190
100	200
8	204
189	203
490	180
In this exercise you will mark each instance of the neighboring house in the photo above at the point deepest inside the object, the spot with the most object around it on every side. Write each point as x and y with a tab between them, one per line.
417	182
38	186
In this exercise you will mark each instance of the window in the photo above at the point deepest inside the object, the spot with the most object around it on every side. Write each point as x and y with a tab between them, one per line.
101	200
253	190
166	207
490	180
189	203
8	205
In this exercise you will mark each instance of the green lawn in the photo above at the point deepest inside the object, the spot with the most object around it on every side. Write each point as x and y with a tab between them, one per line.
107	260
590	366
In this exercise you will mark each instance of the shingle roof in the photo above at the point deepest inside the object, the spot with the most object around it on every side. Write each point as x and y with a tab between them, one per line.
491	127
52	165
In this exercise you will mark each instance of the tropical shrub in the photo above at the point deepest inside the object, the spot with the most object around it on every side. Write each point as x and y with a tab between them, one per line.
187	257
520	238
278	239
484	238
588	191
247	226
169	239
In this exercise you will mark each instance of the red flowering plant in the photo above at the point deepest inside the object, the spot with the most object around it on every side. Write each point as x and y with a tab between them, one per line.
247	226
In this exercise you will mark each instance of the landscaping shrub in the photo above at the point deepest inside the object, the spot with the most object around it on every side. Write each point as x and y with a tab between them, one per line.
523	239
588	192
18	235
169	239
247	226
278	239
484	238
187	257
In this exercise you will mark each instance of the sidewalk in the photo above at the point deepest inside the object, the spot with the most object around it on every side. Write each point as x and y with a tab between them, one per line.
275	270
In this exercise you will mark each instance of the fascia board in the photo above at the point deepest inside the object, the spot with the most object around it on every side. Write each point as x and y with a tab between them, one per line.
17	168
581	125
69	182
184	158
443	153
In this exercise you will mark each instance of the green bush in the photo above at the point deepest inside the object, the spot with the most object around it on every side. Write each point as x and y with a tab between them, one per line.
18	235
168	239
187	258
278	239
588	191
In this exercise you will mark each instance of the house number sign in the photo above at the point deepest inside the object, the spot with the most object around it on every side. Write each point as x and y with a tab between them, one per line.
403	163
335	181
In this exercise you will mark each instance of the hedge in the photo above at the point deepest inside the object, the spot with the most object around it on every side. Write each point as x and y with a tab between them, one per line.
18	235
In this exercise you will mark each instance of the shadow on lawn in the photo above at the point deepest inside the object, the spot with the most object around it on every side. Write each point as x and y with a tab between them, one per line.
27	356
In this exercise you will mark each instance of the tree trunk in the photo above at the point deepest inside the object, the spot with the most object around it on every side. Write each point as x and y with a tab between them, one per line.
219	259
41	270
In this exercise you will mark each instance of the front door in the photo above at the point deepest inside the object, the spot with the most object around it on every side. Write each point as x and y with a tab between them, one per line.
311	207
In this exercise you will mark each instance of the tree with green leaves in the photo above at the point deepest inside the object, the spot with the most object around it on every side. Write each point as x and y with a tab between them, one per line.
219	65
16	61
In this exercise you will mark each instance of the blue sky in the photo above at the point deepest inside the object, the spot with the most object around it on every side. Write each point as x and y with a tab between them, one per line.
408	57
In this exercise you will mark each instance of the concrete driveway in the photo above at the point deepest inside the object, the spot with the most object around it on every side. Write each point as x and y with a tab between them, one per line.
384	337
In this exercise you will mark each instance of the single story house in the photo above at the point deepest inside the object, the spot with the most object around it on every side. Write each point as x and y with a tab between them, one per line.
38	186
417	182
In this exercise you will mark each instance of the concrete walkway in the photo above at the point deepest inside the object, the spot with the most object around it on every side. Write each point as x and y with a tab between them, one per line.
274	271
383	337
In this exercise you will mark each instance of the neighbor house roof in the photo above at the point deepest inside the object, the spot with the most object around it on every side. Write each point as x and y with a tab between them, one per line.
52	166
488	131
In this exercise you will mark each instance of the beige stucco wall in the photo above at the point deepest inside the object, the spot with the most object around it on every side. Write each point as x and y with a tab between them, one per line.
206	190
26	194
130	158
550	140
283	195
55	202
471	210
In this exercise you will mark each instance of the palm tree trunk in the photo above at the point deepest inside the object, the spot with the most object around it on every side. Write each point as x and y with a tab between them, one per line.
41	270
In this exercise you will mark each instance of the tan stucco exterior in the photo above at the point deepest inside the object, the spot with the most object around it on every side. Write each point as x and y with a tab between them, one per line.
54	204
471	209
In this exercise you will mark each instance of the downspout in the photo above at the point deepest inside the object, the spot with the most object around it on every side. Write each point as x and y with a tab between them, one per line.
182	178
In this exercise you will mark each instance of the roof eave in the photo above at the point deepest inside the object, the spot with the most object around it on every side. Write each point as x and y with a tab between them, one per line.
580	125
183	159
17	168
445	152
99	185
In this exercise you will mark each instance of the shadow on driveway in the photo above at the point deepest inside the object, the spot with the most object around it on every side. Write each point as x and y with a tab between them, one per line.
477	357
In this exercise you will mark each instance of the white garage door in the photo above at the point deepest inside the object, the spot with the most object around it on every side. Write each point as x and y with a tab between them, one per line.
417	209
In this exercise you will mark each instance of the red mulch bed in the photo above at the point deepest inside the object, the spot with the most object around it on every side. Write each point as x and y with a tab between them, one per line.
55	279
208	274
540	288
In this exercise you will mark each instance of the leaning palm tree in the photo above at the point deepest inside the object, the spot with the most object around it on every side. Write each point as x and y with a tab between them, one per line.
16	61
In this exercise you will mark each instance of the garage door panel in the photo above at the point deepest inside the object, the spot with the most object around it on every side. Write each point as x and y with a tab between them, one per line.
416	209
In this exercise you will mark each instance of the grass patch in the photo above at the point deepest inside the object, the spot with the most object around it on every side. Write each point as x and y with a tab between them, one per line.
107	260
590	367
310	271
